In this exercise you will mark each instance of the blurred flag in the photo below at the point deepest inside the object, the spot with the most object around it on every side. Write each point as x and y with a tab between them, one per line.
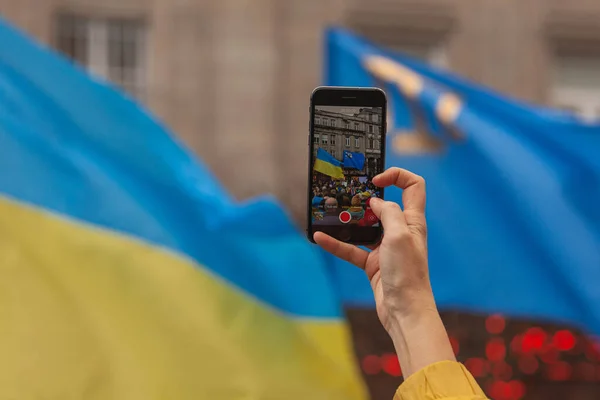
129	273
328	165
354	160
513	189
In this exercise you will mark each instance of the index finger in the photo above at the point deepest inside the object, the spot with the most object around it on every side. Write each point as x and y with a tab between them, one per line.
412	185
345	251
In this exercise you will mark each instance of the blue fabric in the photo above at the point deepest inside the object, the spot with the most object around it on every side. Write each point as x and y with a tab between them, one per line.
325	156
354	160
513	192
75	146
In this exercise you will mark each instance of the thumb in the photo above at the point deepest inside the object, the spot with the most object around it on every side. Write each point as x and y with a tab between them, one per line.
376	205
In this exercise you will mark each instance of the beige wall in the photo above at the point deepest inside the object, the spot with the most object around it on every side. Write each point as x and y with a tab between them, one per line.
233	77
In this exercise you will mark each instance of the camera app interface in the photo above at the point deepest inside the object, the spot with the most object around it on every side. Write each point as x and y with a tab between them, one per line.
347	155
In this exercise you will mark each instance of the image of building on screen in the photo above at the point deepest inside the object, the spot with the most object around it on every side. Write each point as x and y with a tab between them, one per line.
347	154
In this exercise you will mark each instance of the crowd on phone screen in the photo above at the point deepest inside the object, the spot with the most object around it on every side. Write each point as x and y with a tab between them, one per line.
331	197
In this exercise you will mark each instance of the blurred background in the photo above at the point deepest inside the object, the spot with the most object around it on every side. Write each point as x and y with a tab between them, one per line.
232	79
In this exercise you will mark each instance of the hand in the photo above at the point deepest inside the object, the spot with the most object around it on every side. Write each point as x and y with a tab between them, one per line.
397	267
398	272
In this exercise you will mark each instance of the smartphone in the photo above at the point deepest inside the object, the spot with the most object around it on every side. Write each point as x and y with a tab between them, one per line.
346	144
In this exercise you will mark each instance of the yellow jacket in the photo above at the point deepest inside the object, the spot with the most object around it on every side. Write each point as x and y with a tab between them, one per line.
445	380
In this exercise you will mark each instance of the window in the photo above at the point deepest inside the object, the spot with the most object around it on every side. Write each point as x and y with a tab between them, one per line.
113	49
347	141
333	122
356	126
316	139
576	86
375	118
73	38
376	144
371	144
356	142
317	121
324	139
333	153
347	125
370	128
325	121
333	139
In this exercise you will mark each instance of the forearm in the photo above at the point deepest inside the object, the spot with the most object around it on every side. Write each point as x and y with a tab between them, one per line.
419	336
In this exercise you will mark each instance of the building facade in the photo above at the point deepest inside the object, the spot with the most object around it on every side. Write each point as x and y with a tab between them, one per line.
359	132
233	78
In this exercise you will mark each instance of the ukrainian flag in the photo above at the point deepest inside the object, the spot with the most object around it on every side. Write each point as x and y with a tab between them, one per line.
129	273
328	165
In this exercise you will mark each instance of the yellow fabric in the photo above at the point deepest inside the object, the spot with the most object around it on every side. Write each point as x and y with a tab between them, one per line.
328	169
446	380
90	314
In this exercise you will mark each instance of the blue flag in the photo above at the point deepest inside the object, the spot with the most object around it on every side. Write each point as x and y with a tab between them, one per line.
138	263
513	190
354	160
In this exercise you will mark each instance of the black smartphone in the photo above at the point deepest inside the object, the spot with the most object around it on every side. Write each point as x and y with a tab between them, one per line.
346	144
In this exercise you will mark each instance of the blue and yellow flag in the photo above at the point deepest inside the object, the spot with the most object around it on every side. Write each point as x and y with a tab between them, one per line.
354	160
513	190
328	165
129	273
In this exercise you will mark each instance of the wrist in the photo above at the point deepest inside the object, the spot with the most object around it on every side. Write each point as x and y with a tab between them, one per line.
411	314
418	334
411	305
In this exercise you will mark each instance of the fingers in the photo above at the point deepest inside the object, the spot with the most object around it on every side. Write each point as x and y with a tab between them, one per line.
412	185
413	195
345	251
390	214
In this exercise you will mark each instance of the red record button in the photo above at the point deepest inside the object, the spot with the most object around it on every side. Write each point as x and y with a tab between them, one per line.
345	217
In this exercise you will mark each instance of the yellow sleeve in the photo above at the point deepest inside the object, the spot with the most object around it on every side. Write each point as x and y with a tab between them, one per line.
445	380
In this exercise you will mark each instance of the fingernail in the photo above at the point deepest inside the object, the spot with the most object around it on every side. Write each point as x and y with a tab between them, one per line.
375	200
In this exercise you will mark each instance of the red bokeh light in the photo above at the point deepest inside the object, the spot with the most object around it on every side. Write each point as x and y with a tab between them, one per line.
549	355
512	390
586	371
390	364
592	350
533	340
560	371
455	345
518	389
495	324
528	364
371	365
564	340
501	370
477	366
500	390
495	349
516	344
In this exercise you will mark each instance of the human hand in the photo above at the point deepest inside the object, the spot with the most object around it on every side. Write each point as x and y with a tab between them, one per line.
397	267
398	271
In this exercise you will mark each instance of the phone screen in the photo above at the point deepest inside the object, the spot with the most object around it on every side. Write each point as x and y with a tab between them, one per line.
347	152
